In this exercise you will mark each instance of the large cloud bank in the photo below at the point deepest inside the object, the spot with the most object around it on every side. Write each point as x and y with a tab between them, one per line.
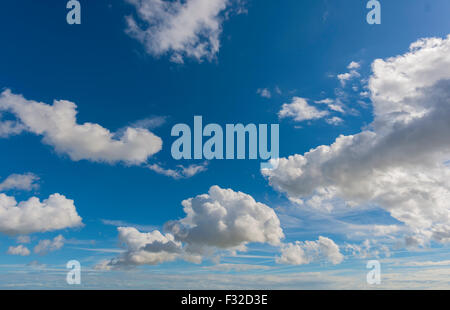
399	162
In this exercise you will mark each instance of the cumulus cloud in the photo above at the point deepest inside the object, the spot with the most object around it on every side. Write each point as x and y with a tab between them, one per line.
353	65
353	73
18	250
45	246
300	110
398	162
181	172
300	253
58	125
182	29
220	220
143	249
24	182
32	215
225	219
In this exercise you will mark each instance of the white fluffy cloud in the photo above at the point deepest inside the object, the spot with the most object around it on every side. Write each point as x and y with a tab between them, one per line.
32	215
300	253
225	219
344	77
143	249
300	110
353	73
353	65
45	246
24	182
399	162
57	124
18	250
220	220
182	29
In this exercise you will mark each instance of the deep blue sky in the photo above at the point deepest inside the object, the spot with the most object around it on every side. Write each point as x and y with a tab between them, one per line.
294	45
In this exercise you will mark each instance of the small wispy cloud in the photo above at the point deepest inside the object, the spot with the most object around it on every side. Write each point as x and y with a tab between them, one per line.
353	73
236	267
264	92
23	239
45	246
25	182
334	105
300	110
334	121
428	263
119	223
100	250
151	122
354	65
180	172
18	250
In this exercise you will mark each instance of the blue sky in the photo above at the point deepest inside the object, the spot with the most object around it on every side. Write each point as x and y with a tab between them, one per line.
291	52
